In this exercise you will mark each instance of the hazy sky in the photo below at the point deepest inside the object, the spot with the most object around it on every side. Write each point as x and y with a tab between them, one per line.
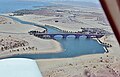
95	1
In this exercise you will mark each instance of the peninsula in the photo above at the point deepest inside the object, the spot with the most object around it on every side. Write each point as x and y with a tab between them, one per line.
29	33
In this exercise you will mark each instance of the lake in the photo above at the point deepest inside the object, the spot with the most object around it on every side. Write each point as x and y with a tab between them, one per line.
71	47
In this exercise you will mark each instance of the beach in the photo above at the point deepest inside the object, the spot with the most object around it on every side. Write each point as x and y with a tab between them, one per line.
76	26
94	65
14	33
68	26
69	18
105	64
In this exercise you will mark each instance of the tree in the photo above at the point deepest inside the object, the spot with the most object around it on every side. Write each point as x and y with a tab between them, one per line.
33	48
5	47
2	49
17	49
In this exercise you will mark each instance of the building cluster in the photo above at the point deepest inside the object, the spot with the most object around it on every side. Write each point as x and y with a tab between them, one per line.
95	31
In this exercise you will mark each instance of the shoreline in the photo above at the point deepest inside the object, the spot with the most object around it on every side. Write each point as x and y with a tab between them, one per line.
18	30
56	47
98	40
85	58
92	63
55	50
44	51
106	50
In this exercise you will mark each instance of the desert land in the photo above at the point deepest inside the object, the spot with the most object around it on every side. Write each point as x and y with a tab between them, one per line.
67	19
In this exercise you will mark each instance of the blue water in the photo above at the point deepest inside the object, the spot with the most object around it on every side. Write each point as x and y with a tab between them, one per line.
13	5
71	47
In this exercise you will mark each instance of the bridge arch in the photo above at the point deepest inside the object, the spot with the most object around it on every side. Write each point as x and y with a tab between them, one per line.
73	36
58	36
69	36
83	36
63	35
52	36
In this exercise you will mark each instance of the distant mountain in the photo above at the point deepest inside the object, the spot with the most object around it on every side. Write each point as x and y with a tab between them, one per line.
80	3
89	3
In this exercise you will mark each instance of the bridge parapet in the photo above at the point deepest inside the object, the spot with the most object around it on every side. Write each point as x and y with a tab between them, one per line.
65	35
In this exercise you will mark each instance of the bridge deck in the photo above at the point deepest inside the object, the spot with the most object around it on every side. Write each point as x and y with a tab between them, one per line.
65	35
42	33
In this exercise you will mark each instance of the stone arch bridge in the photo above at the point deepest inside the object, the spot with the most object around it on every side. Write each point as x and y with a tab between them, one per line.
65	35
